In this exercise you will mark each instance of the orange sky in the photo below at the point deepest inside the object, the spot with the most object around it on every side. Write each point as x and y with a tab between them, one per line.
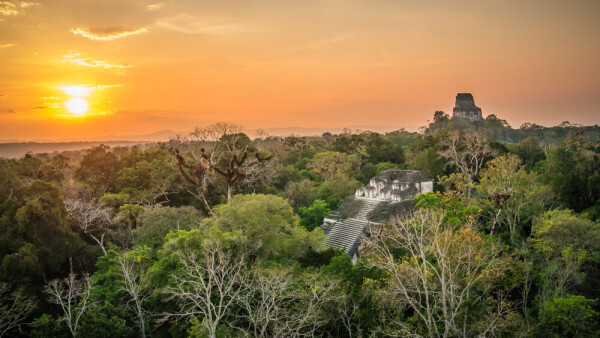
147	65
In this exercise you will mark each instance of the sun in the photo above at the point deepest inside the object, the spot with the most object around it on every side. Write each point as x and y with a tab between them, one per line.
77	106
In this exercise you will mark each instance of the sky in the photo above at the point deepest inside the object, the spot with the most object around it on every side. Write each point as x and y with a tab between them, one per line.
79	69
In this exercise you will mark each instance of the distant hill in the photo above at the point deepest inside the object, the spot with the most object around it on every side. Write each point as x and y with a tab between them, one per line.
18	149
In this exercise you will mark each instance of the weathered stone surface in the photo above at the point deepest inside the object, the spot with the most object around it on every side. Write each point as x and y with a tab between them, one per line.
396	185
388	194
465	107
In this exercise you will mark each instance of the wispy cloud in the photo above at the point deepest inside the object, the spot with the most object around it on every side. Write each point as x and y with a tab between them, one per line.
109	33
155	6
190	24
14	8
82	60
7	45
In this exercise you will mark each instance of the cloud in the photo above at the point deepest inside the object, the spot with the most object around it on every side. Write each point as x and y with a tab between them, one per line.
40	107
14	8
155	6
7	45
191	24
109	33
81	60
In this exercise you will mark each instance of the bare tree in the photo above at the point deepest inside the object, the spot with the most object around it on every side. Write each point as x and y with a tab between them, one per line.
443	274
133	284
208	285
266	300
348	310
281	303
195	174
237	169
14	308
215	141
466	151
73	297
92	218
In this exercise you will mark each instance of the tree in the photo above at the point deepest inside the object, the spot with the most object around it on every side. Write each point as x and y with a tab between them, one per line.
218	142
331	164
312	216
154	223
447	278
209	282
440	116
268	223
281	302
466	151
99	169
132	267
15	306
513	195
564	245
572	316
92	218
41	244
73	297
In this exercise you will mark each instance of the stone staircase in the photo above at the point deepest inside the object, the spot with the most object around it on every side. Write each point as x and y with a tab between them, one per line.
346	234
368	206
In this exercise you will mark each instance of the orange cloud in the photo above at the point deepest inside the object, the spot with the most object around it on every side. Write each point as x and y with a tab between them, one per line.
107	34
79	59
14	8
7	45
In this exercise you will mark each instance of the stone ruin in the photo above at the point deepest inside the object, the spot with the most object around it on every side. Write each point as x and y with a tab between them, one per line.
465	108
390	193
396	185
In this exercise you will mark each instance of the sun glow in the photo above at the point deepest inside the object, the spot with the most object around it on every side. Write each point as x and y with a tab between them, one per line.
77	106
78	91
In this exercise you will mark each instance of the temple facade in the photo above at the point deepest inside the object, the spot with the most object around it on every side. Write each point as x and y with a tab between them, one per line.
465	108
390	193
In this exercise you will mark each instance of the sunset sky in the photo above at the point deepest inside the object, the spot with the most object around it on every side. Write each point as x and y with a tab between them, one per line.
81	69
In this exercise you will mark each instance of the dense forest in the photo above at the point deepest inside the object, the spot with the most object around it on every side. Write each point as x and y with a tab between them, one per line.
215	234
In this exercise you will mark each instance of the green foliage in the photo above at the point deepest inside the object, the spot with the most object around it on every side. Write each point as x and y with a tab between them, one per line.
42	241
566	249
455	211
331	164
312	216
317	259
572	316
511	196
99	170
574	176
47	326
154	223
269	224
106	320
559	229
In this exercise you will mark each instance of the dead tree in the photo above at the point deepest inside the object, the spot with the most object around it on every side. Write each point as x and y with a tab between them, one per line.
73	297
195	174
232	172
92	218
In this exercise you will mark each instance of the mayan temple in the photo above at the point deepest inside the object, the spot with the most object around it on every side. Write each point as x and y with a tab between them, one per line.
465	108
390	193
